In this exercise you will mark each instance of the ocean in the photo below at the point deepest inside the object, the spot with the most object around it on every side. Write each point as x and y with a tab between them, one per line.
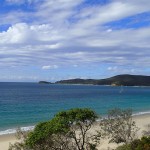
26	104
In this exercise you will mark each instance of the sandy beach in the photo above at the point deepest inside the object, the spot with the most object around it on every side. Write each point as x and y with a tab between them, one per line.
5	140
141	120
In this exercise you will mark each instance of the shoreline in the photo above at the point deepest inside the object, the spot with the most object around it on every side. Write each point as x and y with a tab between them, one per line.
142	86
141	122
28	128
13	130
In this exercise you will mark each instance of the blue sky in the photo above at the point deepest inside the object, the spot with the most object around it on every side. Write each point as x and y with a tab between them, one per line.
62	39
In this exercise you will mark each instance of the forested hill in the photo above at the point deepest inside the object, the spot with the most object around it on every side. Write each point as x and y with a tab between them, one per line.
119	80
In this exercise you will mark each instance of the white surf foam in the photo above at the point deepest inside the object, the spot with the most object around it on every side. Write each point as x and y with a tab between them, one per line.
141	113
11	131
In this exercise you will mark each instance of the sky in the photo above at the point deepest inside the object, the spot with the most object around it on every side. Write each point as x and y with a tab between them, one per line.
62	39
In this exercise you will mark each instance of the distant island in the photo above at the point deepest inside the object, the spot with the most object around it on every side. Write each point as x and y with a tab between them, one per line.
119	80
44	82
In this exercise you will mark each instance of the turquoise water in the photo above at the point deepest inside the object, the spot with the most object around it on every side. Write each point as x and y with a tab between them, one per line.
25	104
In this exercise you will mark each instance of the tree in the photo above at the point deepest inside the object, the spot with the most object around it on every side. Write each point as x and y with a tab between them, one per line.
119	126
68	130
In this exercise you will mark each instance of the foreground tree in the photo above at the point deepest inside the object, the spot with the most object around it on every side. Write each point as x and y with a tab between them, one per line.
119	126
68	130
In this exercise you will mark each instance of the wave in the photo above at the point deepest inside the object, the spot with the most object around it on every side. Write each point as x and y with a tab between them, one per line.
28	128
141	113
11	131
134	114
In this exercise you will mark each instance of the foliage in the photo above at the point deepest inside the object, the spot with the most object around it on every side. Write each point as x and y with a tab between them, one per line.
138	144
68	130
118	126
21	136
124	147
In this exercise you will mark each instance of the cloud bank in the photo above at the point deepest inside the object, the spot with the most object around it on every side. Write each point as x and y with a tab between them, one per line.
67	32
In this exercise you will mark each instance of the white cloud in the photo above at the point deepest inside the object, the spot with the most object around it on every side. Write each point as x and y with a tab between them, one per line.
75	65
111	12
123	70
23	33
15	1
109	30
112	68
59	33
49	67
19	2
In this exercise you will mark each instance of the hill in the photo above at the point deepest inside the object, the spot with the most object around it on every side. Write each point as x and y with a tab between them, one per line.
119	80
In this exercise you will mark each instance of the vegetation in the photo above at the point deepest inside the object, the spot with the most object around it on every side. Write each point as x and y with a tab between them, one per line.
44	82
119	80
138	144
68	130
119	127
21	136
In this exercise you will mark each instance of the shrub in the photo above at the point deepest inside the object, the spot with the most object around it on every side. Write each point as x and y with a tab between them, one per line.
138	144
119	127
68	130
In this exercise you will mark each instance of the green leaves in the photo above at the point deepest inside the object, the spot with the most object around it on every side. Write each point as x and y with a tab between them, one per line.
63	129
138	144
76	115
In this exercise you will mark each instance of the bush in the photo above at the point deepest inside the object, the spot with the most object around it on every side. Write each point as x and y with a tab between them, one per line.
68	130
138	144
124	147
119	127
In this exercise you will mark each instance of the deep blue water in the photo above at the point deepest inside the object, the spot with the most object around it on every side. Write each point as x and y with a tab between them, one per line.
25	104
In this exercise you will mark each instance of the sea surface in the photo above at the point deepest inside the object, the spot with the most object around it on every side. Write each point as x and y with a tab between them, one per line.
25	104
